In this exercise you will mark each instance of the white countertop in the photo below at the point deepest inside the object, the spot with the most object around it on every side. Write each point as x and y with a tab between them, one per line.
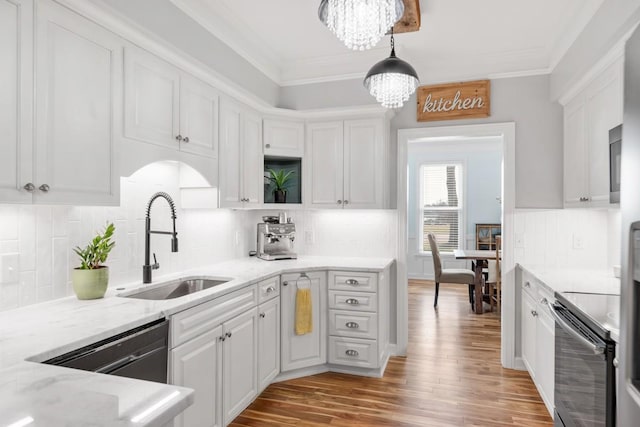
39	332
595	281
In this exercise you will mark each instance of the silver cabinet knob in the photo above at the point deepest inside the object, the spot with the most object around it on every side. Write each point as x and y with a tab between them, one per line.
351	353
346	202
285	283
543	301
222	338
534	313
179	138
29	187
228	335
352	301
44	188
262	315
270	289
339	202
352	282
527	284
185	139
352	325
267	146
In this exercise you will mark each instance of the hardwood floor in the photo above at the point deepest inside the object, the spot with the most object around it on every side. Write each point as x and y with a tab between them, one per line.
451	377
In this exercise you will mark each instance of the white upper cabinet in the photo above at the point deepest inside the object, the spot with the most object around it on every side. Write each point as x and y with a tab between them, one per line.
16	91
241	159
78	109
345	164
325	164
166	107
363	154
198	117
283	138
587	119
152	89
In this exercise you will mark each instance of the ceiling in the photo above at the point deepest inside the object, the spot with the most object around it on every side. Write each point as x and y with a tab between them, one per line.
459	39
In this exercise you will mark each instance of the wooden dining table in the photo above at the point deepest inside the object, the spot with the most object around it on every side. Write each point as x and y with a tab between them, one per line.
479	257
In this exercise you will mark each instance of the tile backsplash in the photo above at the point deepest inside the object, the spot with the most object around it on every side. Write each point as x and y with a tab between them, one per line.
572	238
43	237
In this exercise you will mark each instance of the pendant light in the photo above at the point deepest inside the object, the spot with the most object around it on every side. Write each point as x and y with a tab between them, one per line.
360	24
392	81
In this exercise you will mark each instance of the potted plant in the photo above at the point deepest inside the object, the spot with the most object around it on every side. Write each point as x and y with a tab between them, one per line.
280	179
91	279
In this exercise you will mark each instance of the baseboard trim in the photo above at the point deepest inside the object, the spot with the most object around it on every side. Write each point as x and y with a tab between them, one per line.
302	372
519	364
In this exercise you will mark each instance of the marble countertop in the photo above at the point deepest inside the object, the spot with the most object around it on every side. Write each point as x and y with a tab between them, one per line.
594	281
39	332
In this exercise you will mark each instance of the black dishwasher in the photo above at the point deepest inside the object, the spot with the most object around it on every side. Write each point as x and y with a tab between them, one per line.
139	353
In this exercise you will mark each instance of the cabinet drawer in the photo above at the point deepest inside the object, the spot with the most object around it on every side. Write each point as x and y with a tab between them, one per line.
202	318
529	284
355	301
353	352
353	281
268	289
350	324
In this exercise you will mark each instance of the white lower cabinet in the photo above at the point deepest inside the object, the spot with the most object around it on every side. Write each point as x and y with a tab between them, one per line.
197	364
302	351
538	337
268	342
240	363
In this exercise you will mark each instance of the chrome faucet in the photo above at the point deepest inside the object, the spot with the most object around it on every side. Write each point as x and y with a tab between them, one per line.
147	268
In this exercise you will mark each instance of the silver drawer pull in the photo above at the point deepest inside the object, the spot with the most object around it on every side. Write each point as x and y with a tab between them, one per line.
352	301
352	325
534	313
352	282
527	284
544	301
351	353
270	289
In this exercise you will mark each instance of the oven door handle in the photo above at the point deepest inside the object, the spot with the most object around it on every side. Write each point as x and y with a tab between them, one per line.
597	349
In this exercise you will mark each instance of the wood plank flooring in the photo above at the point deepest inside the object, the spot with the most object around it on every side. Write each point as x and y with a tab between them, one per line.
451	377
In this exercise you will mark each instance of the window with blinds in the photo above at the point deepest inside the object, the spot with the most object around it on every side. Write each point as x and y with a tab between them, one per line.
441	205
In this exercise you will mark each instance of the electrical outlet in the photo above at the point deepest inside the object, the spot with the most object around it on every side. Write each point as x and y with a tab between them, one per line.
578	242
309	237
519	241
9	268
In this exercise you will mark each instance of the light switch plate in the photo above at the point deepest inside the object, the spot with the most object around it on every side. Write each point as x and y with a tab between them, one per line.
309	237
9	268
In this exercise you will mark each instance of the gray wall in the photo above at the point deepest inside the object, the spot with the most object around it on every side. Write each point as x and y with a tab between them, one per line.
523	100
608	25
167	21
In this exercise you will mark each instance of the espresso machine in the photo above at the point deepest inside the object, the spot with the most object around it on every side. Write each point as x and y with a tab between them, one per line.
275	238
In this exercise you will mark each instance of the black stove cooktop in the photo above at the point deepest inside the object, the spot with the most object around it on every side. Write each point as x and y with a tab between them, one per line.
599	311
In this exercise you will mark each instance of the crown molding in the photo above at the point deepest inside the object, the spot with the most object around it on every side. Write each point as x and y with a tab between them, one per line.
249	46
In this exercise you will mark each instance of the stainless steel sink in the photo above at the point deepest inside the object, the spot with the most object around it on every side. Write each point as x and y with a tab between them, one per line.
176	288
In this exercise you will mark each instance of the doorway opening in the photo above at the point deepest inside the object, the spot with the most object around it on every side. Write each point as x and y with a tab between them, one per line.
452	157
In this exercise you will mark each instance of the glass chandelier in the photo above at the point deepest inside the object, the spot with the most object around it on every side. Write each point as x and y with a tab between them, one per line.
360	24
392	81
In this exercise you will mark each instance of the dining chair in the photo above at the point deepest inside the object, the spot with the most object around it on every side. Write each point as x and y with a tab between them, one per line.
494	280
462	276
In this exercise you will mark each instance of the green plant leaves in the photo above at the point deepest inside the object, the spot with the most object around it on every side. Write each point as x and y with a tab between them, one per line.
97	251
280	178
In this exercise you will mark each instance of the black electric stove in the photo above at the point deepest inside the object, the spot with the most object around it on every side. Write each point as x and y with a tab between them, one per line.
600	312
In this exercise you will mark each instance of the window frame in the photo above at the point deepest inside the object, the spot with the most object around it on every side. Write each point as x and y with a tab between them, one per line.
462	215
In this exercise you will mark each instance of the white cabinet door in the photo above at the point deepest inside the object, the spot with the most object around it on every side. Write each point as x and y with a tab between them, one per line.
575	153
301	351
283	138
268	342
197	364
604	111
198	117
325	165
230	160
16	91
240	364
545	356
152	102
363	145
252	161
529	333
78	69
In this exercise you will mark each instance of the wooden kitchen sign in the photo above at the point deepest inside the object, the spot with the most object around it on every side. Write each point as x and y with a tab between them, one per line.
466	100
